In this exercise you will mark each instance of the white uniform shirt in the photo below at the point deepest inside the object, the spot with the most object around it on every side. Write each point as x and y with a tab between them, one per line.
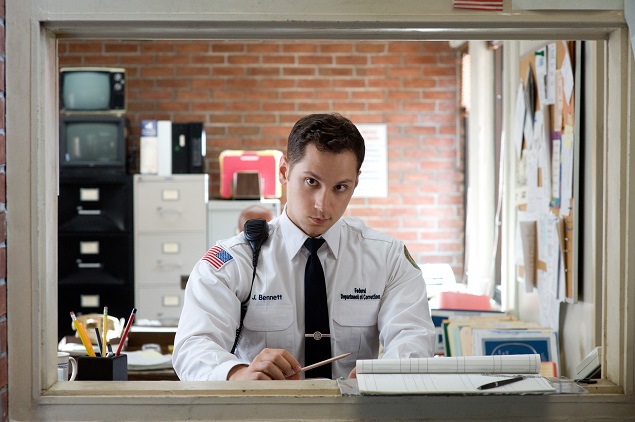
375	293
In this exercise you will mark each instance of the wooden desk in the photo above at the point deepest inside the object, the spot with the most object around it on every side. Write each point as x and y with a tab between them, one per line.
153	375
140	335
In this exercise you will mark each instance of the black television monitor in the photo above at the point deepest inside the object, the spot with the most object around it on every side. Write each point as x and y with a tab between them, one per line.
92	145
92	90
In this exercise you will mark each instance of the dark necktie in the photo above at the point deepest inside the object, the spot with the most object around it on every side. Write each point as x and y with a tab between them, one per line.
316	313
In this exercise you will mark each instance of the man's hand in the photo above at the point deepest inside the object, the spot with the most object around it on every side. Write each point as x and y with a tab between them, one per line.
270	364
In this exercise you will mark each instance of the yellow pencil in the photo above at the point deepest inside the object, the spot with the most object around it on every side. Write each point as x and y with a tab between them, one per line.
83	336
104	332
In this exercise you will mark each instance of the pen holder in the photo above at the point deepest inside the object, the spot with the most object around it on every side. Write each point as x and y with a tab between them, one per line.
102	369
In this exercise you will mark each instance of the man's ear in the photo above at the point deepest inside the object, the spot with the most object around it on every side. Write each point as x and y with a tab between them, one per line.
283	172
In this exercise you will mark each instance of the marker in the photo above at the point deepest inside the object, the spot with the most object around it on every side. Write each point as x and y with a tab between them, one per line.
125	331
83	335
324	362
501	383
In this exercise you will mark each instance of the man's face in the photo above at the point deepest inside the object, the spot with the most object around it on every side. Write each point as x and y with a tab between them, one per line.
319	188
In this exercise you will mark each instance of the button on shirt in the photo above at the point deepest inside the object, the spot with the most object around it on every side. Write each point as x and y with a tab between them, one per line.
375	293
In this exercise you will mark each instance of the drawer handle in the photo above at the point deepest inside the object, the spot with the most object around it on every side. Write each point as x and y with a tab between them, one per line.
168	265
81	264
162	210
82	211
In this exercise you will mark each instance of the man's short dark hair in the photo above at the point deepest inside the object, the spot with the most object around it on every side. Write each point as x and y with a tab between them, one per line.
328	132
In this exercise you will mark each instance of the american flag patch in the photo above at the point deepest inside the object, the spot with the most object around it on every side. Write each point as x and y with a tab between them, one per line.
218	257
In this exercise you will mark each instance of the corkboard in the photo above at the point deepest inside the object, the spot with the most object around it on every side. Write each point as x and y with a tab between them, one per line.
527	65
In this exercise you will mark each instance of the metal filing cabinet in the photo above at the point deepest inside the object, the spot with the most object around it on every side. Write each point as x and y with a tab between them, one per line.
170	237
95	247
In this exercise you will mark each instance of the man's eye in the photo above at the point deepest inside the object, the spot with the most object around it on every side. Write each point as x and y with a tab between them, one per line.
311	182
341	188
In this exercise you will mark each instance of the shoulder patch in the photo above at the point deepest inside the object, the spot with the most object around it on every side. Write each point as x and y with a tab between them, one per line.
409	257
217	256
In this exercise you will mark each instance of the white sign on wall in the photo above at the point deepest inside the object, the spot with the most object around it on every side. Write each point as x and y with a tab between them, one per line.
373	182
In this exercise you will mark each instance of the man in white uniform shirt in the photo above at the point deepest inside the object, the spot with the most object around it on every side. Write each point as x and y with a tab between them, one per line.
375	291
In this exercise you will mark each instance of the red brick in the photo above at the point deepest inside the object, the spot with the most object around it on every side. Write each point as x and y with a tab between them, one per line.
370	47
299	47
368	95
387	60
206	60
193	47
315	60
266	48
4	371
278	59
335	71
334	48
157	47
101	61
347	83
157	71
371	72
192	71
79	47
232	71
3	335
3	289
121	47
299	71
229	47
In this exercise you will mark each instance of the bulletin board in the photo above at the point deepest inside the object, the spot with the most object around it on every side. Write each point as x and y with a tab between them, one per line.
546	129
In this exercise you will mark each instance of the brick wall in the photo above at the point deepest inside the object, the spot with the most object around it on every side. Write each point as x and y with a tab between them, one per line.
249	94
4	368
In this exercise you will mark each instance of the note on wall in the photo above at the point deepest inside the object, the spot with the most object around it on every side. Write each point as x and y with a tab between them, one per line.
550	97
547	270
541	75
555	170
519	119
566	172
527	231
373	181
567	74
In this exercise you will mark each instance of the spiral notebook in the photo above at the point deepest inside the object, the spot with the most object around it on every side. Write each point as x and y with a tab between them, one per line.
451	375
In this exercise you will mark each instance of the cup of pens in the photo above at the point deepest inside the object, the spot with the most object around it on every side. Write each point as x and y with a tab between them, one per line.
103	364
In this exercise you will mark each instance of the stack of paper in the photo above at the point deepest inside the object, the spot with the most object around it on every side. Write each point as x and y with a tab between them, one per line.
148	359
451	375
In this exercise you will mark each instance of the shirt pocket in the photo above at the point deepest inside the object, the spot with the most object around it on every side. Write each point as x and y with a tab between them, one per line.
269	326
355	330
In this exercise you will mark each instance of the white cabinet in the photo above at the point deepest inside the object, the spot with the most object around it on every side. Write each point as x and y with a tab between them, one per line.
222	216
170	227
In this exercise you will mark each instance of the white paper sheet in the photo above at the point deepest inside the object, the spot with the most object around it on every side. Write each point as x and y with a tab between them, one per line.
567	74
566	170
519	120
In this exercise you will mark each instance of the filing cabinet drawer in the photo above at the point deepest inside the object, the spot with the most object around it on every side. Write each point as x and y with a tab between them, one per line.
171	203
95	259
88	299
103	205
159	303
164	258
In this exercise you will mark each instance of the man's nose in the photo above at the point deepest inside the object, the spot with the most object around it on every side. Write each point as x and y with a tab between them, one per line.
321	200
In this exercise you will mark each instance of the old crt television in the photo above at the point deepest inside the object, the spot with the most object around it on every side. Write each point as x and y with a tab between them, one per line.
92	145
92	90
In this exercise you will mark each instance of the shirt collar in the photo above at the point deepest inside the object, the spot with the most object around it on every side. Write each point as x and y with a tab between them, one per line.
294	237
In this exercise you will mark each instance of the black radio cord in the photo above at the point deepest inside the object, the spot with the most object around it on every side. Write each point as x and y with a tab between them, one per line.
256	232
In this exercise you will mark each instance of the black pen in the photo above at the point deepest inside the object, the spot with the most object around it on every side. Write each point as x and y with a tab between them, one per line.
500	383
99	341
